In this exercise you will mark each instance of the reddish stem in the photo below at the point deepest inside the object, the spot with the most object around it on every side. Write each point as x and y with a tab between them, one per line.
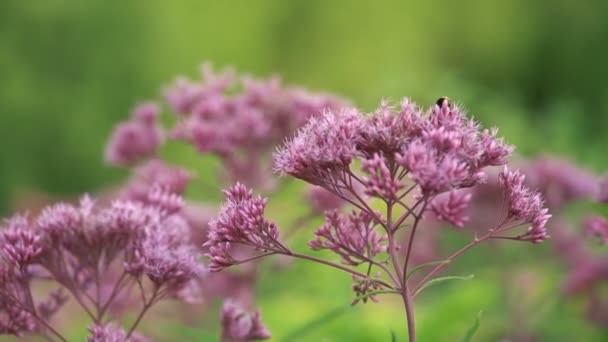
451	258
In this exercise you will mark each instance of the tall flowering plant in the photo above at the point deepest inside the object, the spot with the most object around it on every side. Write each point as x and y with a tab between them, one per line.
396	168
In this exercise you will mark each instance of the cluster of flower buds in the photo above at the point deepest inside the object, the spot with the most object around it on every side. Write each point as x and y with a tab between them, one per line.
525	206
80	247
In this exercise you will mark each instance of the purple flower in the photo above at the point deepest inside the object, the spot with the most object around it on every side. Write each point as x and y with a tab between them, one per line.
523	203
19	243
171	268
321	149
452	208
525	206
385	130
137	138
111	333
167	202
354	238
238	325
14	320
106	333
241	220
597	226
152	175
380	182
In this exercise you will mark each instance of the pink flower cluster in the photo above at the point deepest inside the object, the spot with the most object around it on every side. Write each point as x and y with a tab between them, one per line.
237	118
439	150
525	206
241	220
137	138
79	247
238	325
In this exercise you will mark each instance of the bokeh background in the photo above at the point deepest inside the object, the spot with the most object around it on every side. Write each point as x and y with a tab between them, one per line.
71	69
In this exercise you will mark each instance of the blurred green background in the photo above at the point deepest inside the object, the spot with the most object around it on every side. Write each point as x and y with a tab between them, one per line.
72	69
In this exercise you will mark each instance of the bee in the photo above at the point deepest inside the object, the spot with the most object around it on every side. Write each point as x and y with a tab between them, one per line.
442	100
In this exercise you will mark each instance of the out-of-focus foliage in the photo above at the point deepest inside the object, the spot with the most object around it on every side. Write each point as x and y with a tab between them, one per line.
72	69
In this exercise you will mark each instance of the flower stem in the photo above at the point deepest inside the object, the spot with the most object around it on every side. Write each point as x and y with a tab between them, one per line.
409	313
405	295
143	312
451	258
50	328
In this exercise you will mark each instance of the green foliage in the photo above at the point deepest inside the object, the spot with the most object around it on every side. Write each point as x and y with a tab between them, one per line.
473	329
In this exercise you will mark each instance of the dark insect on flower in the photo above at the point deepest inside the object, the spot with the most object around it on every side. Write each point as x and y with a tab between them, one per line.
444	99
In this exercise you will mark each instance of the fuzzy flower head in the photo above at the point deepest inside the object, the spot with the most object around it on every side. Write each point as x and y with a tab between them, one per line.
241	221
238	325
524	206
324	147
137	138
169	268
439	150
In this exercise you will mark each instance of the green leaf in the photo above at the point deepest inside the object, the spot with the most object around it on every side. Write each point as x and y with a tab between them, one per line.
393	336
435	281
426	264
473	329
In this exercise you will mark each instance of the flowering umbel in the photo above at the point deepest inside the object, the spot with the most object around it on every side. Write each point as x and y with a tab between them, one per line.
408	162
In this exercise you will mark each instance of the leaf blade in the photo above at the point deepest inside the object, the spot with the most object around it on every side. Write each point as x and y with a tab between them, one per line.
473	329
436	281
